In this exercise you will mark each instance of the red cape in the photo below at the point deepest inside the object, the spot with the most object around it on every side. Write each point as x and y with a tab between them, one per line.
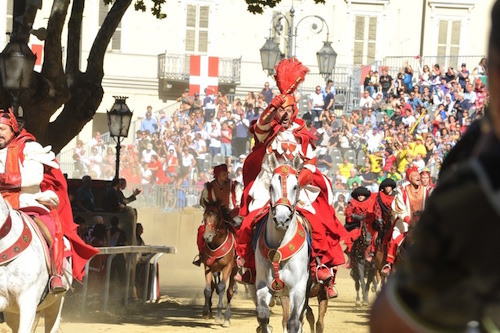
55	181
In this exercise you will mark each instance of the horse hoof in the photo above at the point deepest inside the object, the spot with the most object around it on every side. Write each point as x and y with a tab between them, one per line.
219	320
227	323
358	303
364	304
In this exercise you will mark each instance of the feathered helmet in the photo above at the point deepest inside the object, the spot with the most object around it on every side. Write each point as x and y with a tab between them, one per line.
289	74
8	118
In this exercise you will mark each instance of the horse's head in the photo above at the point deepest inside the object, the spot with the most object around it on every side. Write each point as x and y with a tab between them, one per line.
214	220
284	191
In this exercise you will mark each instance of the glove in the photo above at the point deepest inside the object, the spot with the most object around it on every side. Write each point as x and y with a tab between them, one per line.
378	224
351	225
277	101
305	177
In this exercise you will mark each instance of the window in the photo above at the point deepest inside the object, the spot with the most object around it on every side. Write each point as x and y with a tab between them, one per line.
448	42
197	28
10	12
116	40
365	36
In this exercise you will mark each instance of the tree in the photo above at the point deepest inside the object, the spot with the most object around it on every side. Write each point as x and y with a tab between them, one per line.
77	92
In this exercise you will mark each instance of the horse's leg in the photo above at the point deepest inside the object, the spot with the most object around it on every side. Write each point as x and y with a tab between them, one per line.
363	282
27	311
310	318
285	305
356	276
221	289
208	291
52	315
322	307
297	301
12	320
263	313
230	293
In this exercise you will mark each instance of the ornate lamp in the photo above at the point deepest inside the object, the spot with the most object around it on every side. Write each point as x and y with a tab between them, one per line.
119	118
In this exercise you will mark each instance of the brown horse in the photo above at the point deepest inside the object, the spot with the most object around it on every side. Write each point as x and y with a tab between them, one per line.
219	261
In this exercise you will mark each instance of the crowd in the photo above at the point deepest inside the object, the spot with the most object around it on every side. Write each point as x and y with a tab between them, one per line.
412	119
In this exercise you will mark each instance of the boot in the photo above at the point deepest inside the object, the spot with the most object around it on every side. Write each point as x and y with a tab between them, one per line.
56	284
320	271
330	289
245	278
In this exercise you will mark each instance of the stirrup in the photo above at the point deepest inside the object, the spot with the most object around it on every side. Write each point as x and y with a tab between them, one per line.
197	260
324	278
240	262
386	270
56	285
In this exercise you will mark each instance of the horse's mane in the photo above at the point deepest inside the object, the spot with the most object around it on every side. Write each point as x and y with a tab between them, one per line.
217	208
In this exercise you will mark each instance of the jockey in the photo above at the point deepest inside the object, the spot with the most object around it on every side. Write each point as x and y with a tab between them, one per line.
385	198
407	205
425	179
278	132
31	181
225	191
363	206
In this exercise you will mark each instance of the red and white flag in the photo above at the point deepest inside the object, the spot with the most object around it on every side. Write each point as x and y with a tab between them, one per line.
203	73
37	50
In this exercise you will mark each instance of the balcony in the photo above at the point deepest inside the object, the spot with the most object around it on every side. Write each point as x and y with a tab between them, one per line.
173	75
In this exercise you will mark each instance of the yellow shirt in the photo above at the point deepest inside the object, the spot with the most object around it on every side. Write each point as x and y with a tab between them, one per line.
376	162
417	149
402	161
345	170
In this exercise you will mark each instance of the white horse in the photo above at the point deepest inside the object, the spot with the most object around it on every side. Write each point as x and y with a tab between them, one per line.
24	275
282	257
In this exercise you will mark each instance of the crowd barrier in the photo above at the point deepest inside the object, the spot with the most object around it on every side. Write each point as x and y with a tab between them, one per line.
154	251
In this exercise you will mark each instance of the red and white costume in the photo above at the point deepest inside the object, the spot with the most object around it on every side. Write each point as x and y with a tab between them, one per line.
228	195
30	180
315	197
407	202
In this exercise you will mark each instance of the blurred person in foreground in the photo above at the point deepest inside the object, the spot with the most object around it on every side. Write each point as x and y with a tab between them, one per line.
448	281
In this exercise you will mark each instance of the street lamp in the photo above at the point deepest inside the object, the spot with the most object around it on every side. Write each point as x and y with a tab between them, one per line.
326	56
119	118
270	54
16	68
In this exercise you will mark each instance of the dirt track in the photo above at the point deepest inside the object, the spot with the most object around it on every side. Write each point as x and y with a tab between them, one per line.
180	307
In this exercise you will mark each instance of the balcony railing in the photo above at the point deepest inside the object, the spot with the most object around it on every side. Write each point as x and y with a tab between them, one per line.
176	67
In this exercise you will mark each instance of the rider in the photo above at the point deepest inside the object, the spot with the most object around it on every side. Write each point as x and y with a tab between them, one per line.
225	191
425	178
385	198
363	206
407	205
31	181
278	132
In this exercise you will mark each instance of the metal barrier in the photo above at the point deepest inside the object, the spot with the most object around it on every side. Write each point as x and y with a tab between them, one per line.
155	253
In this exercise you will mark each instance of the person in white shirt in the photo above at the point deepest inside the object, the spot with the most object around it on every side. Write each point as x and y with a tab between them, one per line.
366	101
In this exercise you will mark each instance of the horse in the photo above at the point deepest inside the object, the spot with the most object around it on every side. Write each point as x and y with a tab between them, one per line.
219	258
282	254
24	275
380	257
362	271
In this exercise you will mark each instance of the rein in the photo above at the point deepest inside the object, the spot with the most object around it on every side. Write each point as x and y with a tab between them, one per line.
283	253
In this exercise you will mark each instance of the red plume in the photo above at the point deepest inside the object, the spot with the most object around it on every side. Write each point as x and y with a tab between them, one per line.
289	74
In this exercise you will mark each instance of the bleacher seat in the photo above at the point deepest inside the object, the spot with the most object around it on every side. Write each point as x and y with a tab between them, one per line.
334	151
361	158
350	154
218	159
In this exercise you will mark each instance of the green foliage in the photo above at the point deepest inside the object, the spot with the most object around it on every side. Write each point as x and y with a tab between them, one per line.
258	6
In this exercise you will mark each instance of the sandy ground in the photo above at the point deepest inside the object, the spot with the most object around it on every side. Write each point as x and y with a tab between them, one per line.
180	306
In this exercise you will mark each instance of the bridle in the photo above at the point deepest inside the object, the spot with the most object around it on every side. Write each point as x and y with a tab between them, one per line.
283	171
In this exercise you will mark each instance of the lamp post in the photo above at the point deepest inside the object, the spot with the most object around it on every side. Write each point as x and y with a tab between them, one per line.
270	58
16	68
119	118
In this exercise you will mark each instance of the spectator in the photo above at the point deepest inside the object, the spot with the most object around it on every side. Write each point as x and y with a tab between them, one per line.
267	93
353	178
97	143
149	123
463	75
366	101
209	105
368	84
340	203
111	200
85	196
386	83
215	139
240	134
226	139
316	105
324	160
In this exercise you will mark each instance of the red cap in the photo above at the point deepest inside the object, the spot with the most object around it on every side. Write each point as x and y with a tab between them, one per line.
411	170
8	118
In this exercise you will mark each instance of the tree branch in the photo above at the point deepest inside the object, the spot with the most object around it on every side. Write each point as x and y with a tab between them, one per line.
101	42
52	66
74	39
